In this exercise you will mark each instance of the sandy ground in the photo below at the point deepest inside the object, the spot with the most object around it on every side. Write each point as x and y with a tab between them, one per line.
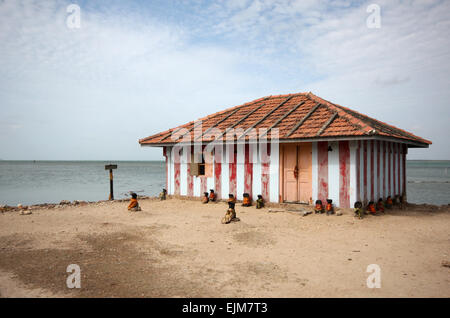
179	248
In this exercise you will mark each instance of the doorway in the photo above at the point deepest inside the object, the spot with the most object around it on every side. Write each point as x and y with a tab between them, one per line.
296	172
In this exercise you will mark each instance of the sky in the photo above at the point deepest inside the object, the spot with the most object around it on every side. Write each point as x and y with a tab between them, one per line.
135	68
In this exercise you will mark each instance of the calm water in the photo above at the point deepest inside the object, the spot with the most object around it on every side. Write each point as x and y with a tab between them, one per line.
428	181
29	182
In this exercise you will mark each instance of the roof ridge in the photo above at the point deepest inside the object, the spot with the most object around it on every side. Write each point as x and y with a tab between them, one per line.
363	127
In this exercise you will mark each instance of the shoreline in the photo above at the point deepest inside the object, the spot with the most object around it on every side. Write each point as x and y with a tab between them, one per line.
303	207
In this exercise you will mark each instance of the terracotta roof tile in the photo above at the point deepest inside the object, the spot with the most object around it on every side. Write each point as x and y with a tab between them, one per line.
314	118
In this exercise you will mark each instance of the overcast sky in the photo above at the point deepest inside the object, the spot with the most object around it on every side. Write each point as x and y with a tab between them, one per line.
136	68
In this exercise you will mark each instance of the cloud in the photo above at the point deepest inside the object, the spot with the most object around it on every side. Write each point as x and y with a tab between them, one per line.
134	68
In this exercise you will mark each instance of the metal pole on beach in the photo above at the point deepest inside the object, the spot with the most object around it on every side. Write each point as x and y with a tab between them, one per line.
110	167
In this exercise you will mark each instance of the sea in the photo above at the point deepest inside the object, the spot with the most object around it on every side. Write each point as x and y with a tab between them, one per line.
34	182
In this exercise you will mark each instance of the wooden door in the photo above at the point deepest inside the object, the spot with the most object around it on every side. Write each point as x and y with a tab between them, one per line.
290	184
304	172
297	172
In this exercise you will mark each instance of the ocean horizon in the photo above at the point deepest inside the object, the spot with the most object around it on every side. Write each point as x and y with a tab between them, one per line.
51	181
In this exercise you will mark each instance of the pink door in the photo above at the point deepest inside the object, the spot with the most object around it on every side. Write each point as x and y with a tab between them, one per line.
297	172
290	190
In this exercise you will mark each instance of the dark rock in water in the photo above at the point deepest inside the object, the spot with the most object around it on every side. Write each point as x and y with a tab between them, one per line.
64	202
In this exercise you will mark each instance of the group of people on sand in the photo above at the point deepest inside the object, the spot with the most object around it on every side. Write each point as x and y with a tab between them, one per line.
374	209
230	215
360	210
370	209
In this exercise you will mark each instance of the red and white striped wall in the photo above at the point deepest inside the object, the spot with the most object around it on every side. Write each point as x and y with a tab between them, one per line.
344	171
242	175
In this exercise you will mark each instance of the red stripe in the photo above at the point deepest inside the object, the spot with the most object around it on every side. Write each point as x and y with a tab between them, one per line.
365	170
322	158
232	167
218	174
372	172
190	179
399	167
265	174
248	172
358	171
177	177
378	169
384	170
389	150
344	176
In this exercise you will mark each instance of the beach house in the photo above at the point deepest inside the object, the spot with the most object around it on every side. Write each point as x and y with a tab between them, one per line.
288	148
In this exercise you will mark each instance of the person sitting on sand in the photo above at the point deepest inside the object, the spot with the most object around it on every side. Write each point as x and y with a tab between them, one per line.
230	216
389	202
205	198
358	209
246	200
162	195
380	205
371	208
134	205
231	201
259	202
212	196
330	208
319	207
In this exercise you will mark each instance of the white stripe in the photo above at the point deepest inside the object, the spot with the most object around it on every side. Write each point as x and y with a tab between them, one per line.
361	172
172	174
401	170
210	184
375	167
274	172
183	172
225	177
256	186
333	172
352	190
240	170
391	146
196	183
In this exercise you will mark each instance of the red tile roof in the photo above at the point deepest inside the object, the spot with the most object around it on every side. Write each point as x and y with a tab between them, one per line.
297	116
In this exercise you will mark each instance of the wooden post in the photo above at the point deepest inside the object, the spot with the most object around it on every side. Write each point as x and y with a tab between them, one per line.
111	190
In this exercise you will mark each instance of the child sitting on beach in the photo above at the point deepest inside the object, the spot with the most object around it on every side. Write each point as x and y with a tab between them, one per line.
319	207
259	202
134	205
380	205
358	209
205	198
212	196
246	200
389	202
162	195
